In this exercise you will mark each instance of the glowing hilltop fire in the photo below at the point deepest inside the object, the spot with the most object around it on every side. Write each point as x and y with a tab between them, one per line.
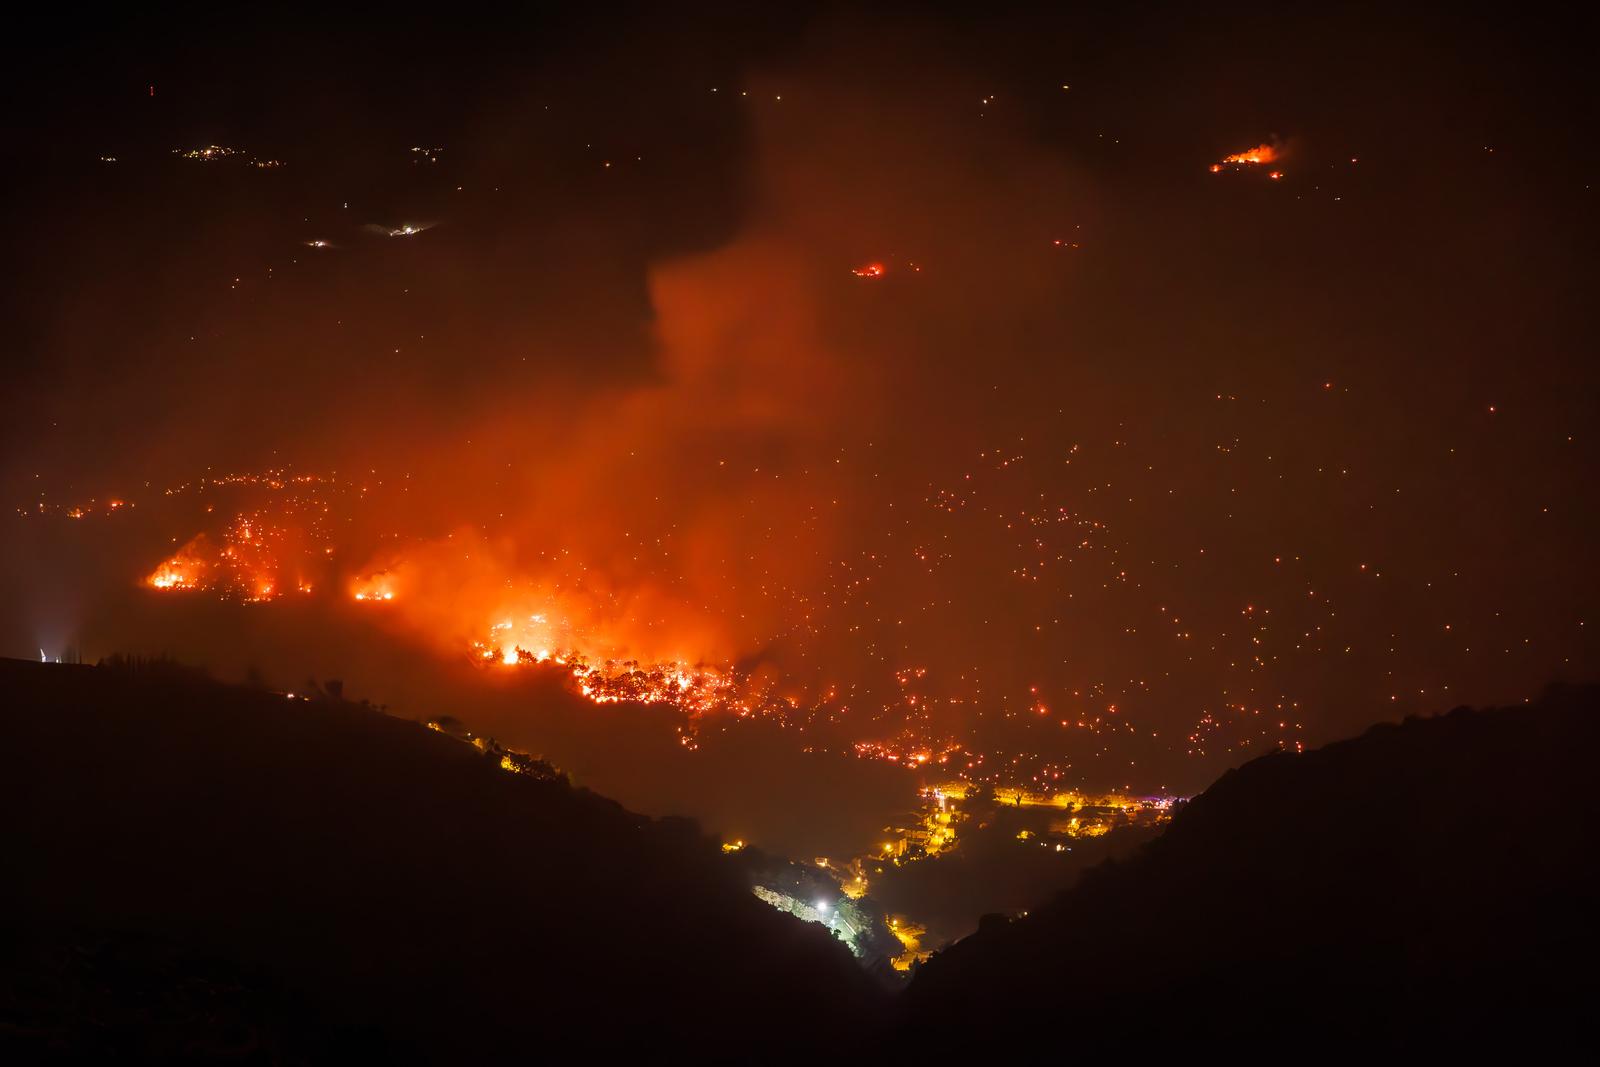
1262	153
186	570
243	567
870	270
692	689
277	546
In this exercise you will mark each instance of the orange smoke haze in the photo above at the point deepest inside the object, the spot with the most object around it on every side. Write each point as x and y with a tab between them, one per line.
711	514
898	388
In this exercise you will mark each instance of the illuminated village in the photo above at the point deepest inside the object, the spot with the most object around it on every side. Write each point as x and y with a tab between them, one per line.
838	893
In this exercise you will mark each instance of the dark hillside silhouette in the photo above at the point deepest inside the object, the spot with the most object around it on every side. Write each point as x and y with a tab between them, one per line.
195	869
1429	883
203	871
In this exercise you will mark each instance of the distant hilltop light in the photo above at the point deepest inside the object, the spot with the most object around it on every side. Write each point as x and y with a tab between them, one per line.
211	153
404	229
206	153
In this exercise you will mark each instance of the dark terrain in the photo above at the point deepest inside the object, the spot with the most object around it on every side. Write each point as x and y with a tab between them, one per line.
1429	883
198	870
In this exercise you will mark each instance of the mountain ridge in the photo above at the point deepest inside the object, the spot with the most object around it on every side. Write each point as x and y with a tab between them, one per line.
1431	878
411	891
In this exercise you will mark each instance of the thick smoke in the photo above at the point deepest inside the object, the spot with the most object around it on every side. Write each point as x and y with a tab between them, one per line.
703	512
1120	470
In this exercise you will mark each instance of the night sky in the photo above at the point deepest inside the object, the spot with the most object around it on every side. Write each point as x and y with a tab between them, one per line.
916	378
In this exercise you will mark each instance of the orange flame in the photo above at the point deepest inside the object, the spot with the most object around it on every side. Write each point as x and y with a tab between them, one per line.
1263	153
373	587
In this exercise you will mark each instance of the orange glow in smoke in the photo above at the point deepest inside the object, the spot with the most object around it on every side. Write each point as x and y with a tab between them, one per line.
1263	153
185	570
1250	157
373	587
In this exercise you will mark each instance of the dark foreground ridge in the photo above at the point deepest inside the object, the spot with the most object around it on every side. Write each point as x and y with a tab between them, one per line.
202	871
1429	883
199	871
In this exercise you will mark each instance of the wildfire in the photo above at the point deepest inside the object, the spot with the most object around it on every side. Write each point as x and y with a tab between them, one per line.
870	270
1262	153
552	615
373	587
693	689
908	752
552	642
183	571
280	543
